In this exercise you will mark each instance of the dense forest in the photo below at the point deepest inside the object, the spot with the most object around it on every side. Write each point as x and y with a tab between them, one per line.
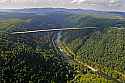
24	62
102	49
93	55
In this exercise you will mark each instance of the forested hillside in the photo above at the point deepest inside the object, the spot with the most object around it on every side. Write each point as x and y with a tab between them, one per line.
103	49
63	18
66	20
93	55
27	60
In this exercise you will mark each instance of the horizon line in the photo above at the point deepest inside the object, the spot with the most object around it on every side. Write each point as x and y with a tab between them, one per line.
59	8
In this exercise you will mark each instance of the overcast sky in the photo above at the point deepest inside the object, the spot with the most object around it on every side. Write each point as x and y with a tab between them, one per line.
107	5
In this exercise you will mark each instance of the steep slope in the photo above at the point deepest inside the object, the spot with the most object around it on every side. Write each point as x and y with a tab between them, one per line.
103	50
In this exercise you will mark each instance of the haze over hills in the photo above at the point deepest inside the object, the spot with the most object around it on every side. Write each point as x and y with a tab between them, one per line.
51	10
61	17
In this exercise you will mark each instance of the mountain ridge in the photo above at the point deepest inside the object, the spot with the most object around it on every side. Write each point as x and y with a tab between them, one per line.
38	10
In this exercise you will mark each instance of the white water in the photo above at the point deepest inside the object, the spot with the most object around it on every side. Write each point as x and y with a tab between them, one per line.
58	37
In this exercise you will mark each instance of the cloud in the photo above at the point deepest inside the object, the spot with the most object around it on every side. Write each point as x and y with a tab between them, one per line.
118	5
114	1
104	4
78	1
3	1
95	1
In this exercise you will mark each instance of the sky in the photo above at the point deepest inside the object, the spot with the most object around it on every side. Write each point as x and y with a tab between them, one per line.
104	5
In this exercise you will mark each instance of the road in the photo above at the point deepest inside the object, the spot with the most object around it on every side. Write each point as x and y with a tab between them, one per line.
61	29
50	30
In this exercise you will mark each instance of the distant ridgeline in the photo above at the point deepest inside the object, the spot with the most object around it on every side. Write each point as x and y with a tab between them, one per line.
63	18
